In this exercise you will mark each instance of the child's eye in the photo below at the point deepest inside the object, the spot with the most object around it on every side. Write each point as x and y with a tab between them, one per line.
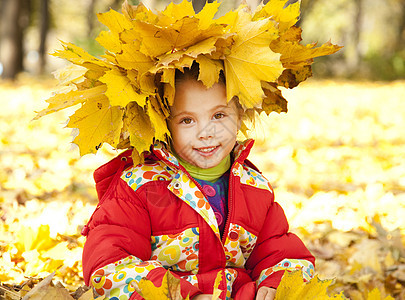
186	121
219	116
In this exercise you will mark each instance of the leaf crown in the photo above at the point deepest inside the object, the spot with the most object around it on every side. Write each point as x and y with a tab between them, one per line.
120	93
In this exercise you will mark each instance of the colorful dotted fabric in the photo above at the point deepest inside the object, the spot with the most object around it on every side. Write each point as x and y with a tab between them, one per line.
306	266
251	177
136	176
238	246
230	276
178	252
114	280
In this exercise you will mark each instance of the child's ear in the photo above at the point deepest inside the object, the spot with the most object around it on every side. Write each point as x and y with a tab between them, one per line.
239	122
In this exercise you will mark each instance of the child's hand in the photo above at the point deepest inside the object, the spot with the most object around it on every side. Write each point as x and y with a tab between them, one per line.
265	293
203	297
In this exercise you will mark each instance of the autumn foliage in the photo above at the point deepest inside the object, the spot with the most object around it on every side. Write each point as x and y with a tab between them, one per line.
336	162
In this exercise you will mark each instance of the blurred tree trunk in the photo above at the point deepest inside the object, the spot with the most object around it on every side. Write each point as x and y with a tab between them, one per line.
90	18
358	16
11	36
116	4
400	40
43	33
199	4
306	8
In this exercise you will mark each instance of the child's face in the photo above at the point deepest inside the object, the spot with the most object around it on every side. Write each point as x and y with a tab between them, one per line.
202	124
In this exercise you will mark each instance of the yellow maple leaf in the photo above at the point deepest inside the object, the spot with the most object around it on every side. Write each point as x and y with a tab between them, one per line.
292	286
170	288
157	119
290	78
251	60
158	40
217	292
209	70
132	58
139	12
115	21
80	57
282	11
120	90
61	101
29	238
70	74
206	46
110	41
375	294
174	12
98	122
141	131
294	55
273	100
207	14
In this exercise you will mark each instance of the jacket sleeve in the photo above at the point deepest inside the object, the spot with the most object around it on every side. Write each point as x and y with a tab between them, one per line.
117	250
278	250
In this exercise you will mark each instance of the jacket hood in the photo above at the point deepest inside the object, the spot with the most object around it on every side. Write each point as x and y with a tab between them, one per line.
104	175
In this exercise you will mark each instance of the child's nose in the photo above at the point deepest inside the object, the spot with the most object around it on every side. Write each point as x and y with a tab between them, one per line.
206	131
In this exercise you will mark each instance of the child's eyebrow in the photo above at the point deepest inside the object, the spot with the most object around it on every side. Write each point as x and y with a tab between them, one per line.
220	106
181	113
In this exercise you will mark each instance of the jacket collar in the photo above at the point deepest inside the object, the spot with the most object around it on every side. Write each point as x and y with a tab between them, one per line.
240	152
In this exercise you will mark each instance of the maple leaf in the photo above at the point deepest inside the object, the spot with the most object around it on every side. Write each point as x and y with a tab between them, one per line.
273	100
290	78
170	288
183	33
294	55
71	74
115	21
34	238
120	90
217	292
375	294
281	11
62	100
98	122
141	131
46	290
140	12
251	60
157	119
209	70
292	286
80	57
132	58
110	41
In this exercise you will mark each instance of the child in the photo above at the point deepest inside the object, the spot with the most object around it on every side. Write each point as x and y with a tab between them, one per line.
196	208
173	88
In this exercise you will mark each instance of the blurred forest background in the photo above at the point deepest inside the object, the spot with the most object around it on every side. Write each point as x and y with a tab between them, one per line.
373	33
336	159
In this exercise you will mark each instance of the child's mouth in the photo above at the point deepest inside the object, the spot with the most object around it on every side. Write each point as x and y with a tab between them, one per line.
207	151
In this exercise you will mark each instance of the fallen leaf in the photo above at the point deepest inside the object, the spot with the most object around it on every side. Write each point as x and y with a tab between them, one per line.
45	290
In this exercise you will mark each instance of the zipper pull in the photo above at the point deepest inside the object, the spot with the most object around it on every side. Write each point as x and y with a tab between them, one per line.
85	230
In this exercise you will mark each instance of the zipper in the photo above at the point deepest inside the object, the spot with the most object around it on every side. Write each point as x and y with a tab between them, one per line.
230	203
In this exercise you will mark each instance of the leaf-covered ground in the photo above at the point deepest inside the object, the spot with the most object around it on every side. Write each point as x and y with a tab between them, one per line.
336	160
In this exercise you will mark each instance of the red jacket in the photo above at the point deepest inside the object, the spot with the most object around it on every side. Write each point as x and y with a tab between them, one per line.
154	216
